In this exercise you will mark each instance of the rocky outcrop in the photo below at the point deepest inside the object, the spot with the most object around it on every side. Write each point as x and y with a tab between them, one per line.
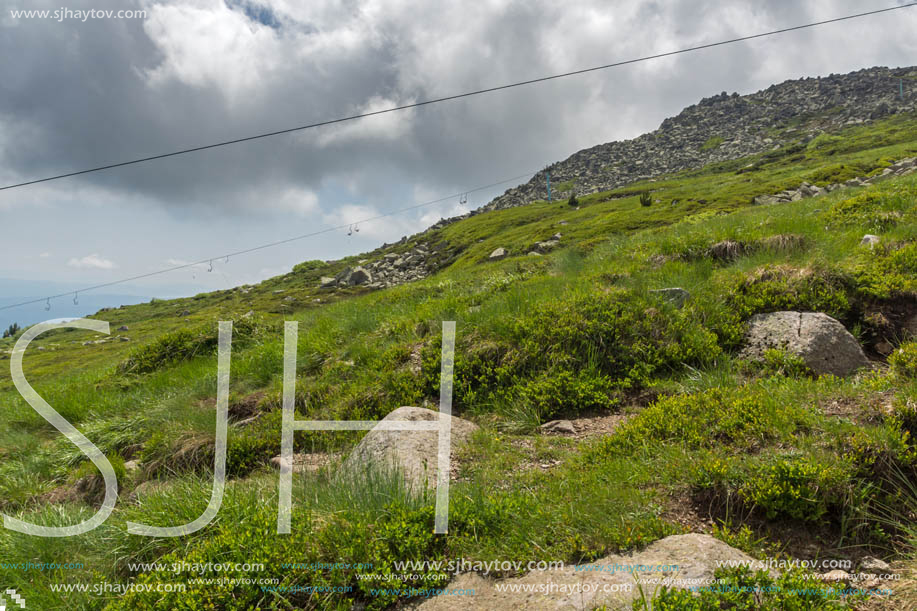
900	168
414	453
609	581
821	341
722	128
391	269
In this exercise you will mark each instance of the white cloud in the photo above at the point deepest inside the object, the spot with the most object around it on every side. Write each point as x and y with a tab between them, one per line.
93	261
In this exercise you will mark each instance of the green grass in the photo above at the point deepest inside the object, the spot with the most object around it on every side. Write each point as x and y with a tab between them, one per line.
576	332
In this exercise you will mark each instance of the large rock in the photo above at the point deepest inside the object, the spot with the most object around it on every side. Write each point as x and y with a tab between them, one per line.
692	559
358	276
414	453
822	342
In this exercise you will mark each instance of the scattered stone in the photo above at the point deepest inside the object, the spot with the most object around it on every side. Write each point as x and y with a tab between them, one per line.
124	339
543	247
870	240
185	313
498	254
414	453
327	282
123	328
870	564
248	314
676	295
561	427
277	292
534	254
884	348
304	463
821	341
132	466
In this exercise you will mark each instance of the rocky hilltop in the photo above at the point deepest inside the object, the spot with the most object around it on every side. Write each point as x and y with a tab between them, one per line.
720	128
725	127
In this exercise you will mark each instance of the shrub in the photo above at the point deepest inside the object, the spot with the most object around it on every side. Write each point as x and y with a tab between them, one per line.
773	288
835	174
309	266
904	361
183	345
711	143
646	200
620	335
886	275
871	210
573	202
554	392
575	353
741	418
741	588
807	488
795	488
781	363
12	331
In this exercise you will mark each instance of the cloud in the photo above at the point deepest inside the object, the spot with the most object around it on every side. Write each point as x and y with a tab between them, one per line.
92	261
201	71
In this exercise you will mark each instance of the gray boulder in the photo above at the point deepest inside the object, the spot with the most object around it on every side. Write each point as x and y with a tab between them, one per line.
692	558
821	341
414	453
358	276
870	240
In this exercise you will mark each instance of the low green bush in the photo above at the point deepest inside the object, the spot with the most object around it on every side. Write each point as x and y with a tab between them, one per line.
795	488
885	275
743	418
903	361
741	588
872	210
773	288
808	488
183	345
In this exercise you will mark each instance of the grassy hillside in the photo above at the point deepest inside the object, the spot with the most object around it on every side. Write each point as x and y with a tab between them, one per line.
687	437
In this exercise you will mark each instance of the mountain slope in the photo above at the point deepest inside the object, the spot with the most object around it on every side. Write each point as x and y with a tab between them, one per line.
673	430
726	127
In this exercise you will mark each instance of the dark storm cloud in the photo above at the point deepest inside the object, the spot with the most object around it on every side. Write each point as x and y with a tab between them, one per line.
75	95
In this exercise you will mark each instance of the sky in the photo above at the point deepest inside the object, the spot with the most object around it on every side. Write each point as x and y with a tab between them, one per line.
77	93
